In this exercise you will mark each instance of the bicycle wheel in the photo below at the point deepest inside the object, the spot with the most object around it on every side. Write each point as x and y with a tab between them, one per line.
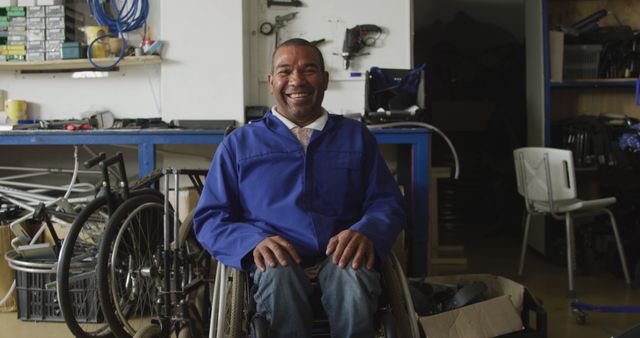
76	274
76	283
129	267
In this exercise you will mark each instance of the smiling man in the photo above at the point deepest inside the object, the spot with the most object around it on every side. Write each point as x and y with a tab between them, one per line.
303	195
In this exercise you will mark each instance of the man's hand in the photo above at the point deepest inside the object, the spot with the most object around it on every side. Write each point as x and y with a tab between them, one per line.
272	249
351	244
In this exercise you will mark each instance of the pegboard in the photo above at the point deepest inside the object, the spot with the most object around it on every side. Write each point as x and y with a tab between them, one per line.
328	20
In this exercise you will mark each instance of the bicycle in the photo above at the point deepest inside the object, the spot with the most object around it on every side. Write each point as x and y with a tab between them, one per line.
75	274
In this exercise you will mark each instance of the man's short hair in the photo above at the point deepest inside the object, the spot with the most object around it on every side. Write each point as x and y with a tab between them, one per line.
299	42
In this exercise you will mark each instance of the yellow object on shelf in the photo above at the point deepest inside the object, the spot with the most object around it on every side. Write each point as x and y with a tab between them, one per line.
15	110
100	48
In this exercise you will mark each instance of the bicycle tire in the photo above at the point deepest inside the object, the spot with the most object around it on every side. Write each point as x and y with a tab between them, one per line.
126	218
96	210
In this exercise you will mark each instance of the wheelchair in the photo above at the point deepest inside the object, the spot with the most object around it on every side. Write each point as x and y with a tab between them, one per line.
233	316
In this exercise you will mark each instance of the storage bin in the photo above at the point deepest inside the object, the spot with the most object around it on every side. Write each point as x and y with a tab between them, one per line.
581	61
71	50
37	302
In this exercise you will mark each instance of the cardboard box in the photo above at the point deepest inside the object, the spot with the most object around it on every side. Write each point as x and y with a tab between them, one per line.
498	315
188	200
556	51
6	273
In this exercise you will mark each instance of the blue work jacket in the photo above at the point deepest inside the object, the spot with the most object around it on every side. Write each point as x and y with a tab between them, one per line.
262	183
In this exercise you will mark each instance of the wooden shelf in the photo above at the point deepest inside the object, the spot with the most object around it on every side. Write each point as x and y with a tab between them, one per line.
80	64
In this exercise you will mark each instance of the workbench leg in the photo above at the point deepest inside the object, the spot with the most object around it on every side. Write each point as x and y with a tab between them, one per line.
146	158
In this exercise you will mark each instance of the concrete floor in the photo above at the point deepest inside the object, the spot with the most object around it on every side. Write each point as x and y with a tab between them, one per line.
496	254
499	254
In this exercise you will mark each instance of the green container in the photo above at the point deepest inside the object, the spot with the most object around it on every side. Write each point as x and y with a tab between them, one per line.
71	50
16	13
11	57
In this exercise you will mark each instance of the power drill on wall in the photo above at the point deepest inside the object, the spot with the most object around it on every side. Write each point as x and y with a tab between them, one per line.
356	38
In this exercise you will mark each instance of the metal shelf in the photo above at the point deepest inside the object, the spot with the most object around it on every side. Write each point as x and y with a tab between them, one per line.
595	83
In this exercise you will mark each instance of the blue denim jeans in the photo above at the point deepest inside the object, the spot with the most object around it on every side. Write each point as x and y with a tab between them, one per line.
349	297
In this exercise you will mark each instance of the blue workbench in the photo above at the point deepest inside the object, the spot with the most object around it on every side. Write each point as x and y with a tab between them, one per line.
413	164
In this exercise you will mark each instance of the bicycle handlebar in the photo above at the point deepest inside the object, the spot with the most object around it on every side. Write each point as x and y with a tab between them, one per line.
95	160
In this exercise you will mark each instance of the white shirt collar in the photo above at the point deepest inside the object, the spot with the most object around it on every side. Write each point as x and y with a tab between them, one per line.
318	124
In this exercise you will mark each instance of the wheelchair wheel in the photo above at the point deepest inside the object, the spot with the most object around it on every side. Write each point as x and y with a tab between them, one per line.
76	275
259	328
388	326
399	299
128	271
228	302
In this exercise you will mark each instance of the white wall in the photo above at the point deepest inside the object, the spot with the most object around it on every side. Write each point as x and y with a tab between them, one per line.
202	70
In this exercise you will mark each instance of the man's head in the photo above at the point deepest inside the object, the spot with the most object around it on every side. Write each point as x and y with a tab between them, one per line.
298	81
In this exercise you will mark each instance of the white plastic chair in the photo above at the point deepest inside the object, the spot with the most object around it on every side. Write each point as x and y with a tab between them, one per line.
546	180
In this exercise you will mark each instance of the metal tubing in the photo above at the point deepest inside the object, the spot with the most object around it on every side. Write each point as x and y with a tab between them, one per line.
89	188
623	259
33	197
527	223
570	259
213	323
49	170
165	248
222	305
176	240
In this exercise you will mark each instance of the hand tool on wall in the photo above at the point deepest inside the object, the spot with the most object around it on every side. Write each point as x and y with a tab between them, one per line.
356	38
292	3
267	28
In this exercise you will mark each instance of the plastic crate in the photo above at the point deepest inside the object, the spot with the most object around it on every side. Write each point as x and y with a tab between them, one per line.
36	302
581	61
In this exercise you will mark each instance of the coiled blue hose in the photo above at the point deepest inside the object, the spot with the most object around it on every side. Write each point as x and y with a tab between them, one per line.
128	18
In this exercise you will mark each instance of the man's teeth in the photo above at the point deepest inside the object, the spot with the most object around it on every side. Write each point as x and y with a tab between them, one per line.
296	95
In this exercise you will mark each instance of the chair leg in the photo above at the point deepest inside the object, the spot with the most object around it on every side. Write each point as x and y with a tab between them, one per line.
623	259
527	223
570	252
